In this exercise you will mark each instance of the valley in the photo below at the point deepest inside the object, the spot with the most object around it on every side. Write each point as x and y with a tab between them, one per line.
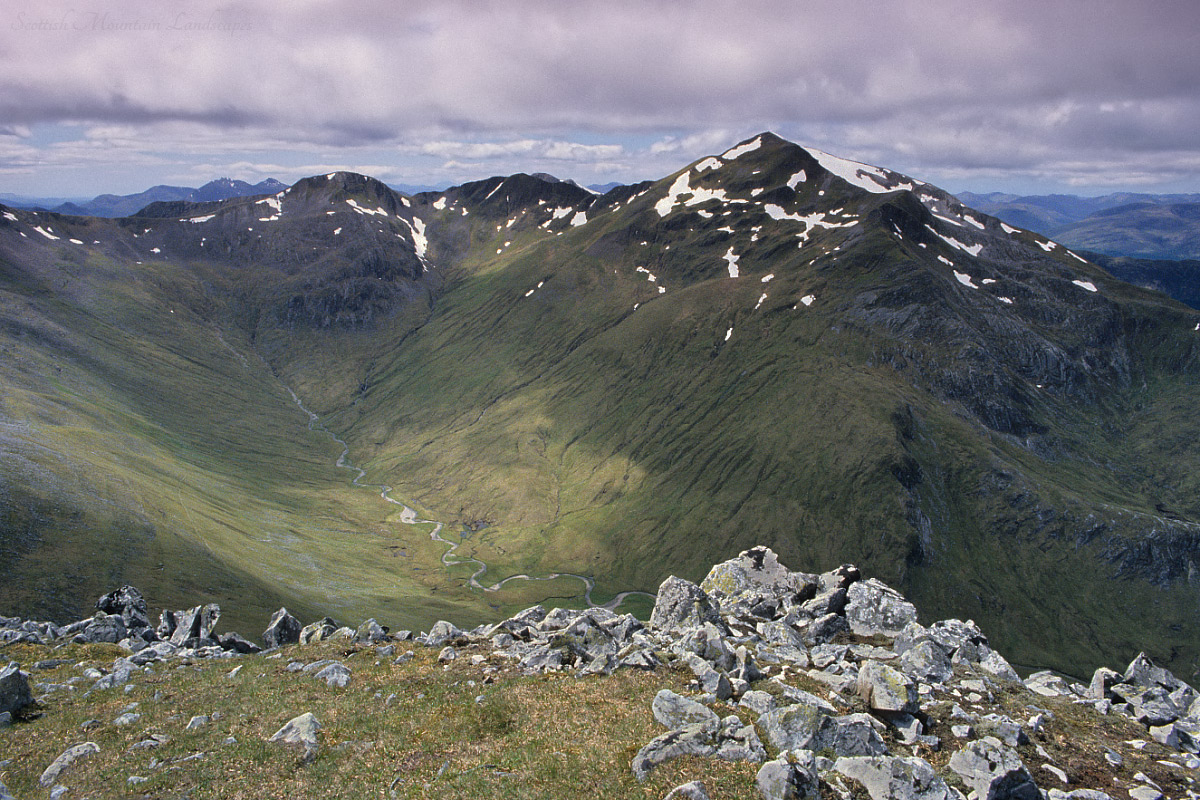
270	398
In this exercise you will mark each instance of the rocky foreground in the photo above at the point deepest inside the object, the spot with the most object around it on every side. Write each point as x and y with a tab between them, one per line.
826	684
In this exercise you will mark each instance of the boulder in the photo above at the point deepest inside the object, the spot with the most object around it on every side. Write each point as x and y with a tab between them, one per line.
699	739
874	607
237	643
301	731
442	633
681	605
15	693
792	727
895	778
195	623
994	771
1151	705
318	631
886	688
849	735
370	631
282	629
754	576
927	661
1103	679
127	603
711	680
675	711
335	675
102	628
692	790
792	776
64	761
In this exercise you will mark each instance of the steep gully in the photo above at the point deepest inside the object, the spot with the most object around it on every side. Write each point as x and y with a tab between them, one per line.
450	558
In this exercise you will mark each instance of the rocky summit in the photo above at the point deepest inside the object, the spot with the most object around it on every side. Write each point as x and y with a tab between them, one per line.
759	682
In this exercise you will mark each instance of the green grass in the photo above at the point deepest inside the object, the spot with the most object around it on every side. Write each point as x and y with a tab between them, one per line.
545	736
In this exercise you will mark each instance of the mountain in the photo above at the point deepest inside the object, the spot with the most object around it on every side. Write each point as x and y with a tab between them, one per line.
111	205
1177	279
1144	226
772	345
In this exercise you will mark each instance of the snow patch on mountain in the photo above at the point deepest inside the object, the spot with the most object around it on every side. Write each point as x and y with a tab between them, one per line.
1088	285
864	176
732	262
709	163
742	149
965	279
45	233
973	249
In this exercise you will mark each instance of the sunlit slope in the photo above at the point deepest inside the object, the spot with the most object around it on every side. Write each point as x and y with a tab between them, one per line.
889	379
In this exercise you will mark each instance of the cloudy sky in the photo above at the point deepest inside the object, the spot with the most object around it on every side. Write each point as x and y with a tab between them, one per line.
1027	96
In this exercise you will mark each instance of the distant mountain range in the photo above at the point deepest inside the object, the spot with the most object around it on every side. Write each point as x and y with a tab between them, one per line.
113	205
771	345
1153	226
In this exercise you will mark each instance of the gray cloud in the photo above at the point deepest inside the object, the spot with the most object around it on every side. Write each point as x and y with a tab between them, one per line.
947	88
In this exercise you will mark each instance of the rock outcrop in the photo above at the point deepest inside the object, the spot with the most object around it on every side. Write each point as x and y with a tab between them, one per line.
829	682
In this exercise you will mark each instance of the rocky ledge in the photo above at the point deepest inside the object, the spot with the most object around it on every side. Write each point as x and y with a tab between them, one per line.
829	682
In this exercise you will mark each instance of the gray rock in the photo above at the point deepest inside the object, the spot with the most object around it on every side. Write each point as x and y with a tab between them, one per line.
318	631
1144	792
849	735
998	666
1143	672
127	603
994	771
758	702
792	727
755	576
926	661
1151	705
282	629
1182	735
236	643
336	675
711	680
681	605
195	623
370	631
302	731
792	776
1078	794
441	633
824	628
895	778
874	607
4	793
197	722
15	693
675	711
122	673
102	629
886	688
691	740
126	719
1047	684
693	790
1103	679
64	761
709	643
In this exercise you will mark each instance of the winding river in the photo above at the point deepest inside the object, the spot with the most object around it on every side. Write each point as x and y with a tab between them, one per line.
449	558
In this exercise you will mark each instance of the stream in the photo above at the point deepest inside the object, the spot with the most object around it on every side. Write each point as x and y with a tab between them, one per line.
449	558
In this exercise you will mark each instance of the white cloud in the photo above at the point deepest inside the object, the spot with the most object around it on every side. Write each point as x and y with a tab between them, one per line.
641	86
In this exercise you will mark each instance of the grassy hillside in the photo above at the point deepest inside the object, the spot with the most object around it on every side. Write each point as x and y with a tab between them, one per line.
770	347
